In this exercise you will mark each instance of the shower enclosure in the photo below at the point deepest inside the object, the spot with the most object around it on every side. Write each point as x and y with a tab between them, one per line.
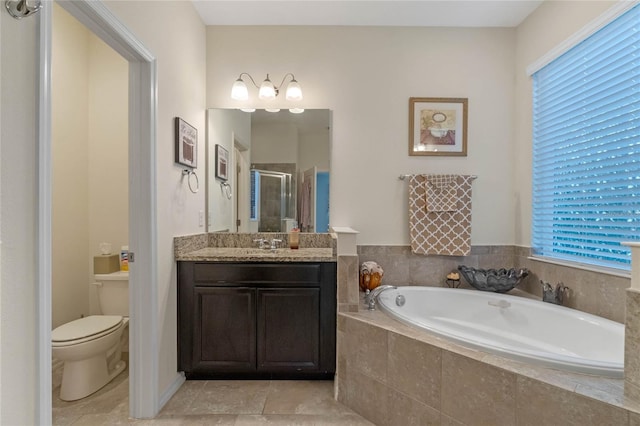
273	203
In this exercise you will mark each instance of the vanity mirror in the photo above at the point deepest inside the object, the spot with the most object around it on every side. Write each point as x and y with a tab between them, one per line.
278	170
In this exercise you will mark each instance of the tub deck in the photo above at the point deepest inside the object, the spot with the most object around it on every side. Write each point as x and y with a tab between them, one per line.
392	373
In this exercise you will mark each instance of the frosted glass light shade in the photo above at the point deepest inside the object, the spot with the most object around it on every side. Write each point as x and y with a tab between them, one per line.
296	110
239	91
267	90
294	92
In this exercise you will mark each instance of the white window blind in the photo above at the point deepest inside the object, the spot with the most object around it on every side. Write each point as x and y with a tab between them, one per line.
586	148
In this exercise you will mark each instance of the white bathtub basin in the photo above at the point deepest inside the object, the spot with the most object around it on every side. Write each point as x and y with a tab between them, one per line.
515	327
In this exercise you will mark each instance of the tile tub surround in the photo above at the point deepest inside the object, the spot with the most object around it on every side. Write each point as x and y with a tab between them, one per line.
593	292
393	374
348	287
632	347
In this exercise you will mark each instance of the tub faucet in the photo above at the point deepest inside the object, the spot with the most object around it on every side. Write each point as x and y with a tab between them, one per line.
554	295
371	298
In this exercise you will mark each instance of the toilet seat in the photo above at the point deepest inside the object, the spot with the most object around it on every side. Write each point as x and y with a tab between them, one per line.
85	329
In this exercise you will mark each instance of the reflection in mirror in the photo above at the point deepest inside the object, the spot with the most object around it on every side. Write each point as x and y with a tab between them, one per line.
279	171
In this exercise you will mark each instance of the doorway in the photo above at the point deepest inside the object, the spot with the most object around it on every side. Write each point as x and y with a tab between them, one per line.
143	370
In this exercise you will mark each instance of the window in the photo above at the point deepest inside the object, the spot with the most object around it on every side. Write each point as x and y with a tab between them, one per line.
586	148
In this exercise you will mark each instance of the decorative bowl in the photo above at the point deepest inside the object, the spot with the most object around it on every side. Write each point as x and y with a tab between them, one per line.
497	280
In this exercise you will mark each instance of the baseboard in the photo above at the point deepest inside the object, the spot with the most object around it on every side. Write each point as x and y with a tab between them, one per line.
171	390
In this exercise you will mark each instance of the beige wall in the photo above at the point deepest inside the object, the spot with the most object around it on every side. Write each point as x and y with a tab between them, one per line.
314	150
108	173
225	127
548	26
274	143
366	76
174	33
90	162
70	168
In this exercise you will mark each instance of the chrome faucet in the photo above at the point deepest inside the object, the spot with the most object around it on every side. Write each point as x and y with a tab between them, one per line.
371	298
262	243
265	244
274	243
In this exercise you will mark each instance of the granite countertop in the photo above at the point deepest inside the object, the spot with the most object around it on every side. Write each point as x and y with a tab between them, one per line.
226	254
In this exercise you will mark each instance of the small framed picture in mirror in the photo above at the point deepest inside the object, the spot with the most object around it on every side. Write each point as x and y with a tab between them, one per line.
222	163
186	143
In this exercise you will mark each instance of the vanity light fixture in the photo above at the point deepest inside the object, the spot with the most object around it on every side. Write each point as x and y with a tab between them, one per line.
267	90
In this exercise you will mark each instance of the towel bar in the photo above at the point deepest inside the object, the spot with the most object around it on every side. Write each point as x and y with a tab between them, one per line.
403	177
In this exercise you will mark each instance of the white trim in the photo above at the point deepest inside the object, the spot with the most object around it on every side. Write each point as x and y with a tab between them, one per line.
172	388
586	31
44	368
582	266
144	360
142	241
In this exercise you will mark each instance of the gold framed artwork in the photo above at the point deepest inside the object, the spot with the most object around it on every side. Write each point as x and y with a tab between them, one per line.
438	126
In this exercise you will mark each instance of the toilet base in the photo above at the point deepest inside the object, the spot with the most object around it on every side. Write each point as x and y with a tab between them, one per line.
82	378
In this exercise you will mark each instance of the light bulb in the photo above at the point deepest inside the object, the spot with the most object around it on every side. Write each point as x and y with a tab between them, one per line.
296	110
247	109
239	91
267	90
272	109
294	92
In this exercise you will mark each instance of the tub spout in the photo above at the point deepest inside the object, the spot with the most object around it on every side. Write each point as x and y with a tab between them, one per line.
372	297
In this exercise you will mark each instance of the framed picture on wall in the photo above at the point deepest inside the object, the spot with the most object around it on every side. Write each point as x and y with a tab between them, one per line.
186	143
438	126
222	163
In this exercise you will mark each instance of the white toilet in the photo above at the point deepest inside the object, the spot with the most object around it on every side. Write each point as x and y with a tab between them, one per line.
91	347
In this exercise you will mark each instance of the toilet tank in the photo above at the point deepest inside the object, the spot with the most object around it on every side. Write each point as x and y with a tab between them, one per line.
113	293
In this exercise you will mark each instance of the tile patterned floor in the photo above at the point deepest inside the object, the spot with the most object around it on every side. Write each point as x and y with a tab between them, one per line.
215	402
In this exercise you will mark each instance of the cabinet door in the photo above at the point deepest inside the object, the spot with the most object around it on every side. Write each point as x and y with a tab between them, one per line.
288	329
224	329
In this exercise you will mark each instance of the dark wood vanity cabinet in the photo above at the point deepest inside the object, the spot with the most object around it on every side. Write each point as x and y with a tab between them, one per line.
260	320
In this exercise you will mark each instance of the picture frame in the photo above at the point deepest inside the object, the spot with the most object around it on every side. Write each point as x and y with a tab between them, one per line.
222	163
438	126
186	141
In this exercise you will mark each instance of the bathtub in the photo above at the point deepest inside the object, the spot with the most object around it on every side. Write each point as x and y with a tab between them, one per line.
514	327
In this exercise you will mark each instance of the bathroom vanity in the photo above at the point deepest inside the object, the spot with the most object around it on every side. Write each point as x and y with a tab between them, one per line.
251	313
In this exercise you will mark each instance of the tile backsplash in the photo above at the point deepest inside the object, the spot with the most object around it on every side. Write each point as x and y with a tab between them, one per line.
594	292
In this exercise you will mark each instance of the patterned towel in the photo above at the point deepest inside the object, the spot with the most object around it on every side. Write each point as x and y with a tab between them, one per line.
445	233
441	193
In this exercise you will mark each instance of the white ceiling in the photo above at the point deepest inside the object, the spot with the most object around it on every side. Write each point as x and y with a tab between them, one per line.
431	13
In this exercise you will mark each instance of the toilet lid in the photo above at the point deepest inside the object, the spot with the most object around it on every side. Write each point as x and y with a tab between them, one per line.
85	327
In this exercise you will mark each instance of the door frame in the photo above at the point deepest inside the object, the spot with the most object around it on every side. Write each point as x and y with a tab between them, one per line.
143	301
